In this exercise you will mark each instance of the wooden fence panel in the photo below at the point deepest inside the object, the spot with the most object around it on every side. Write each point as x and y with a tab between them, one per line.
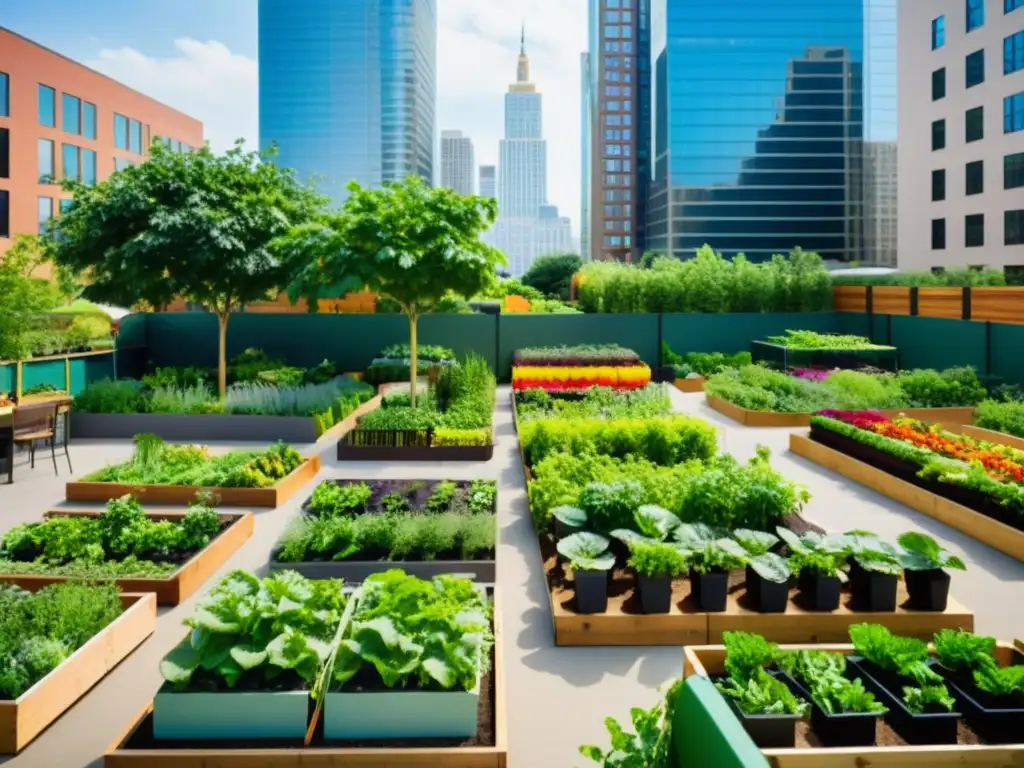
941	302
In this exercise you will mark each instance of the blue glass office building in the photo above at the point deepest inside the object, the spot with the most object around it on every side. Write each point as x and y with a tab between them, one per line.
348	89
774	127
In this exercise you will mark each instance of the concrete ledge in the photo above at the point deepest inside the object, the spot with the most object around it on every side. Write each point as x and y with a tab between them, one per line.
193	427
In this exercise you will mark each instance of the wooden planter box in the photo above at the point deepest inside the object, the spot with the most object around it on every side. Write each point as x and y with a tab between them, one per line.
686	625
31	713
985	529
690	385
205	427
180	584
777	419
180	495
135	748
709	660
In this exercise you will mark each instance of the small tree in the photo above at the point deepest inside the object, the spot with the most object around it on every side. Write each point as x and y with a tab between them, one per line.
409	242
23	296
192	224
552	274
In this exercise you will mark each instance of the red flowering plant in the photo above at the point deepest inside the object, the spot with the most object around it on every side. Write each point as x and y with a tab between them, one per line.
859	419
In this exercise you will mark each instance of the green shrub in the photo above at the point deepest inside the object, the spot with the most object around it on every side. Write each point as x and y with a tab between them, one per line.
195	399
331	499
424	352
283	377
445	436
248	366
949	388
597	402
948	278
190	376
110	396
1002	417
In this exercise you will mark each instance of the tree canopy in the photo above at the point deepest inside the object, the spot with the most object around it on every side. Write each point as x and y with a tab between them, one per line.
24	297
552	274
191	224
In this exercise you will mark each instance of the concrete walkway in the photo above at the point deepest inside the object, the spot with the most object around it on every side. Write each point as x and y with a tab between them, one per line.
557	698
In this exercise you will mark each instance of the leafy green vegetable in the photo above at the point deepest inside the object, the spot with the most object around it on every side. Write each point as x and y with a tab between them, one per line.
762	694
906	656
330	498
823	674
1000	681
962	651
923	553
649	746
586	551
919	700
656	559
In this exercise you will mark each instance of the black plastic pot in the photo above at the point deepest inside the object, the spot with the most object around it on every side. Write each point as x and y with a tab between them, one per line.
563	530
843	730
873	592
928	590
821	592
993	718
927	728
591	591
766	596
767	731
655	593
710	589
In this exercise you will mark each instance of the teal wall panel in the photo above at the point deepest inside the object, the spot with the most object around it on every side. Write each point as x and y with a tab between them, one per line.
638	332
934	342
734	332
854	323
7	374
132	330
89	369
45	372
1007	352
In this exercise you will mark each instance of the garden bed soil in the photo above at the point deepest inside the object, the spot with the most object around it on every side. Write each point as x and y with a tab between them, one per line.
891	750
354	569
897	479
206	427
624	623
136	747
750	418
181	495
175	588
690	385
24	718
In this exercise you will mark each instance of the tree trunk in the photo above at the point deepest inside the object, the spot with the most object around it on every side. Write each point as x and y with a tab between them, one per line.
222	358
413	372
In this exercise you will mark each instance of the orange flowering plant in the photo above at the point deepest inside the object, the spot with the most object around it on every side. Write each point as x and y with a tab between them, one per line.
557	378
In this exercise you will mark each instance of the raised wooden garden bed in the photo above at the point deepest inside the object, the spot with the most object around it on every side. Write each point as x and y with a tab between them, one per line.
891	752
180	584
397	445
690	385
180	495
205	427
31	713
778	419
136	747
918	494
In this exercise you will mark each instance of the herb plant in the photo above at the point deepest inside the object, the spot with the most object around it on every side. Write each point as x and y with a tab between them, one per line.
961	651
330	498
907	657
923	553
649	746
928	697
656	560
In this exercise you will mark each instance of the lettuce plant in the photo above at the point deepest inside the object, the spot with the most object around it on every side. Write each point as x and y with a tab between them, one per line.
907	657
248	626
823	674
649	746
586	551
923	553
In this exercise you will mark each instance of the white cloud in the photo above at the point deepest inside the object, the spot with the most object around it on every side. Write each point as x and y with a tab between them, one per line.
477	46
204	80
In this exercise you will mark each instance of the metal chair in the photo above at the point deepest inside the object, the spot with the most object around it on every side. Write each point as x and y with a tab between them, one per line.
32	423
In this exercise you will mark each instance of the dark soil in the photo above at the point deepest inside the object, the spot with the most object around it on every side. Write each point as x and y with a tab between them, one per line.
907	471
415	492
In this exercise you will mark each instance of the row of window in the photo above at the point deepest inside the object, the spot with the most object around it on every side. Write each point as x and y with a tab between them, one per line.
618	195
974	122
974	65
618	150
617	210
974	177
618	119
616	105
5	95
614	76
617	46
618	90
974	230
618	134
77	116
44	207
613	30
623	241
614	165
618	179
975	11
77	163
615	17
127	134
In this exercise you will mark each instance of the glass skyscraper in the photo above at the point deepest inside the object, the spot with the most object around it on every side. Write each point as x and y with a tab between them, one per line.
348	89
771	124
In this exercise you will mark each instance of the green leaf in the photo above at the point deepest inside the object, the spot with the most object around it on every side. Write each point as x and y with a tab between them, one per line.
697	535
217	648
655	522
771	567
574	517
205	619
248	656
179	664
755	542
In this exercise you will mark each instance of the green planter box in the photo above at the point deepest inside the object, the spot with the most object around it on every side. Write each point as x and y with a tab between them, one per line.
229	715
401	714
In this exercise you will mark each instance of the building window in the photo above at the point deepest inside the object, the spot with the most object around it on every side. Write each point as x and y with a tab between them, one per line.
974	124
938	32
5	95
975	68
613	106
45	213
1013	227
71	114
613	149
974	230
938	185
974	175
612	165
69	162
938	234
939	84
1013	171
1013	53
88	158
65	204
611	17
47	106
975	14
45	161
120	163
5	213
1012	5
611	31
938	134
88	120
5	153
120	131
1013	113
135	137
612	90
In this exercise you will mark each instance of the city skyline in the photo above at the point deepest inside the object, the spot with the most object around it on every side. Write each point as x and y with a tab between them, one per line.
202	60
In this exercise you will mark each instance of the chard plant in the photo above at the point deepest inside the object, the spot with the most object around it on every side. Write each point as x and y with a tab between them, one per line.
587	551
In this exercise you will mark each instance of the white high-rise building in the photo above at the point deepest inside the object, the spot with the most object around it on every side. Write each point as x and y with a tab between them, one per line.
522	183
457	163
488	181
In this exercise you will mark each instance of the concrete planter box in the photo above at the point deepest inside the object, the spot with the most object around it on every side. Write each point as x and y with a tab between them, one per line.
401	714
193	427
231	715
482	571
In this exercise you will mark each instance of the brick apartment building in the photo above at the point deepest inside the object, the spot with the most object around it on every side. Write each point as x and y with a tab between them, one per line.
59	119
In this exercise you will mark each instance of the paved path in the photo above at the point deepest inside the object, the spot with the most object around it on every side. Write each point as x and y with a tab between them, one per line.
557	697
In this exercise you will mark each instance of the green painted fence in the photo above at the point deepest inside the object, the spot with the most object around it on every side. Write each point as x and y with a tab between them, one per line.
351	341
83	369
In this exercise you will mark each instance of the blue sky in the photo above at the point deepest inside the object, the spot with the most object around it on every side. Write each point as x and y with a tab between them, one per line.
199	56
